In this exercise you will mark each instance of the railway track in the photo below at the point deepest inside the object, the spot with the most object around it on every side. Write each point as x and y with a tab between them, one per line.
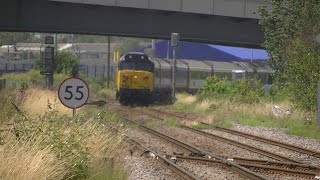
166	162
233	166
184	174
294	168
242	145
253	137
269	141
232	142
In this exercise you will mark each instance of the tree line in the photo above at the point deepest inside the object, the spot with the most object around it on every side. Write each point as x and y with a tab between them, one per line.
290	28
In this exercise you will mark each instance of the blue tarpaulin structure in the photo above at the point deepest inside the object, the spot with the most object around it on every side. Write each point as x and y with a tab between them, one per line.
197	51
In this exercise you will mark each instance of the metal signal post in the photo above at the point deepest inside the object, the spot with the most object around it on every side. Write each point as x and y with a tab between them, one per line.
174	44
47	58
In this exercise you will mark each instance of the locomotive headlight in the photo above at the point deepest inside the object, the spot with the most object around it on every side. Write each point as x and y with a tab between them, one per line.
135	77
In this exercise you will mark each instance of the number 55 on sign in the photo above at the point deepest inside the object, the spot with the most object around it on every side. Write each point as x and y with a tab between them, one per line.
73	93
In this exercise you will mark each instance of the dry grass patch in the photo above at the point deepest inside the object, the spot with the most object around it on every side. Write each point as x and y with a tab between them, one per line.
49	145
30	160
37	101
186	98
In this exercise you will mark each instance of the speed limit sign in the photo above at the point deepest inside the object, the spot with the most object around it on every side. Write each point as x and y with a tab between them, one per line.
73	93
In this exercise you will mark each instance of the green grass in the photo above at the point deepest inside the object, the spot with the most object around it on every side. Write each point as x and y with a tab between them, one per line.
131	126
227	113
184	107
33	77
171	122
292	127
118	174
151	124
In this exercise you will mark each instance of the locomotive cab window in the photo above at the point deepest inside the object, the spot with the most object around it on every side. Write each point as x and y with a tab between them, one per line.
137	62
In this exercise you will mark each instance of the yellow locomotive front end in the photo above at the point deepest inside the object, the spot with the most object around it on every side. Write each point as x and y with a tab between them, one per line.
134	79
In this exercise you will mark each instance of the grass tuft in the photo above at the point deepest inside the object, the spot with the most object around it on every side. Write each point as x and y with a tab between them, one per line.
228	112
39	141
171	122
201	126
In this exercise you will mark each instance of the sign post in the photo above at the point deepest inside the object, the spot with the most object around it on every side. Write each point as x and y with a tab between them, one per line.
73	93
174	44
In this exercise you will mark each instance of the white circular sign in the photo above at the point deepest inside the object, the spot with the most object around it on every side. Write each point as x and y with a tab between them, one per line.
73	93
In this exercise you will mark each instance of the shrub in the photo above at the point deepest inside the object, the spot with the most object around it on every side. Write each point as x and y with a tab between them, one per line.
247	90
70	148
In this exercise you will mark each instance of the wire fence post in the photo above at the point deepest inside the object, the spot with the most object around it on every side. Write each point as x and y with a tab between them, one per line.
318	103
108	80
104	70
87	70
95	71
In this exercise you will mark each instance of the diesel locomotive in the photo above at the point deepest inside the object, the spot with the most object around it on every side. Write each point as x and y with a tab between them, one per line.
148	79
134	78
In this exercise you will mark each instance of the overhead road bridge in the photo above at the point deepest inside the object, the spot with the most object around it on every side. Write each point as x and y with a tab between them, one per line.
225	22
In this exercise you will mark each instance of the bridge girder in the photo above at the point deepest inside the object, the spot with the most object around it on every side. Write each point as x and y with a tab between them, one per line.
61	17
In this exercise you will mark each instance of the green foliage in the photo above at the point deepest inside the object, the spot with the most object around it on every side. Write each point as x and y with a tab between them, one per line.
303	73
64	62
130	45
246	90
290	28
12	38
171	122
32	77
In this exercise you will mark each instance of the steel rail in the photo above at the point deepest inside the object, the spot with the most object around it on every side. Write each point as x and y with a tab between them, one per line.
178	116
168	138
274	163
167	163
233	166
257	138
242	145
206	160
273	142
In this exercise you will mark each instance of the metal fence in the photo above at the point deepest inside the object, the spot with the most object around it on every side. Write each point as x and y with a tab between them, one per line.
6	68
2	84
97	71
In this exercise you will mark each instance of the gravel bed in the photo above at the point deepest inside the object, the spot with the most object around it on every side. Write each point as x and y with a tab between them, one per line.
209	144
157	144
276	175
281	136
271	148
141	168
213	171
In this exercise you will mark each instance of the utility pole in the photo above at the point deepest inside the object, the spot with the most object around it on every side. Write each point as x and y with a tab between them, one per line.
174	44
108	75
